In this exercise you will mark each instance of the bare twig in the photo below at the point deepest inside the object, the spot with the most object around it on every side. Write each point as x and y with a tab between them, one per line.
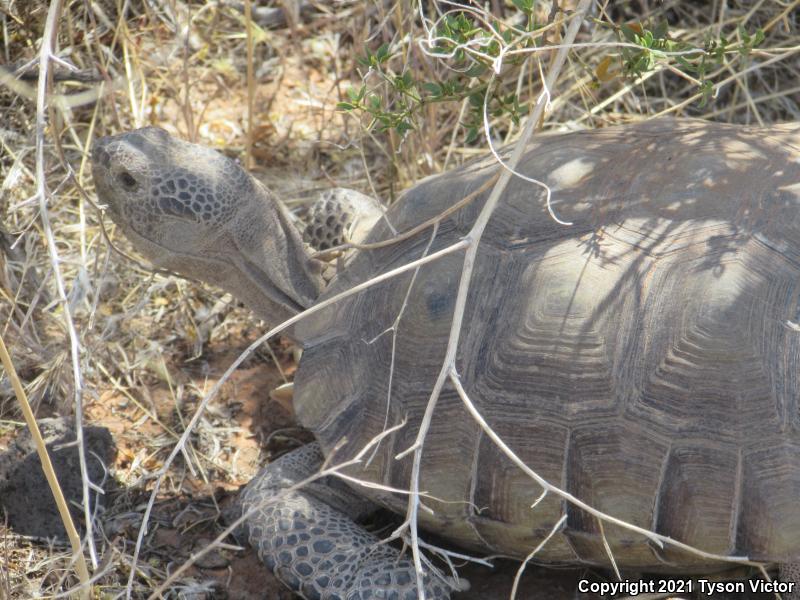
45	54
394	329
473	240
518	577
658	539
607	548
325	471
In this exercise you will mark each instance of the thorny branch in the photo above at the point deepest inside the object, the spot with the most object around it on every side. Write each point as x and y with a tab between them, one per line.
394	329
46	54
473	241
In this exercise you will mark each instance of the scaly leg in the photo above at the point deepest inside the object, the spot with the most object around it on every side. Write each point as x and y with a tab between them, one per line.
309	540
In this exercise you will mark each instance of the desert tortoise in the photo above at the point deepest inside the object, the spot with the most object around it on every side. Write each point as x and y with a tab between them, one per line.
646	359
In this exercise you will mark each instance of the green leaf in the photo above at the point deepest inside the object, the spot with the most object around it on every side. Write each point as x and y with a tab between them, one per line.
382	55
707	90
629	34
345	106
408	82
661	30
472	135
386	121
684	62
356	95
743	34
433	89
403	126
476	70
525	6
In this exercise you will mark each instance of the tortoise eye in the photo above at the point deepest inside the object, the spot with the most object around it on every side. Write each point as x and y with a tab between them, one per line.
127	180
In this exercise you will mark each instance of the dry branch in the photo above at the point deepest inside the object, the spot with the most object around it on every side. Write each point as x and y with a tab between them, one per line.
473	241
46	53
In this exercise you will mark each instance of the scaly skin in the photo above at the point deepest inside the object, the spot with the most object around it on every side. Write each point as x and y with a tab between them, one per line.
311	543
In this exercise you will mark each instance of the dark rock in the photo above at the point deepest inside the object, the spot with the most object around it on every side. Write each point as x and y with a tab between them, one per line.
25	495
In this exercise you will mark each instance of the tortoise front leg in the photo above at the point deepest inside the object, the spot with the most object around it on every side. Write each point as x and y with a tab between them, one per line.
310	541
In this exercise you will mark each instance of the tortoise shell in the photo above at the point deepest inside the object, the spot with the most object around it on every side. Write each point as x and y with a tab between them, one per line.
644	359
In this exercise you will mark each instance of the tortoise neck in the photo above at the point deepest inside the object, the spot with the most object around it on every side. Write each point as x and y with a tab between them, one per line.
272	272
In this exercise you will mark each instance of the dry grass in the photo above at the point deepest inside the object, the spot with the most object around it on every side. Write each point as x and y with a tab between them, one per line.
184	67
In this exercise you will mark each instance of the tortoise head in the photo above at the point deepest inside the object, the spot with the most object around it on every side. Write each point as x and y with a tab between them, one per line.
194	211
